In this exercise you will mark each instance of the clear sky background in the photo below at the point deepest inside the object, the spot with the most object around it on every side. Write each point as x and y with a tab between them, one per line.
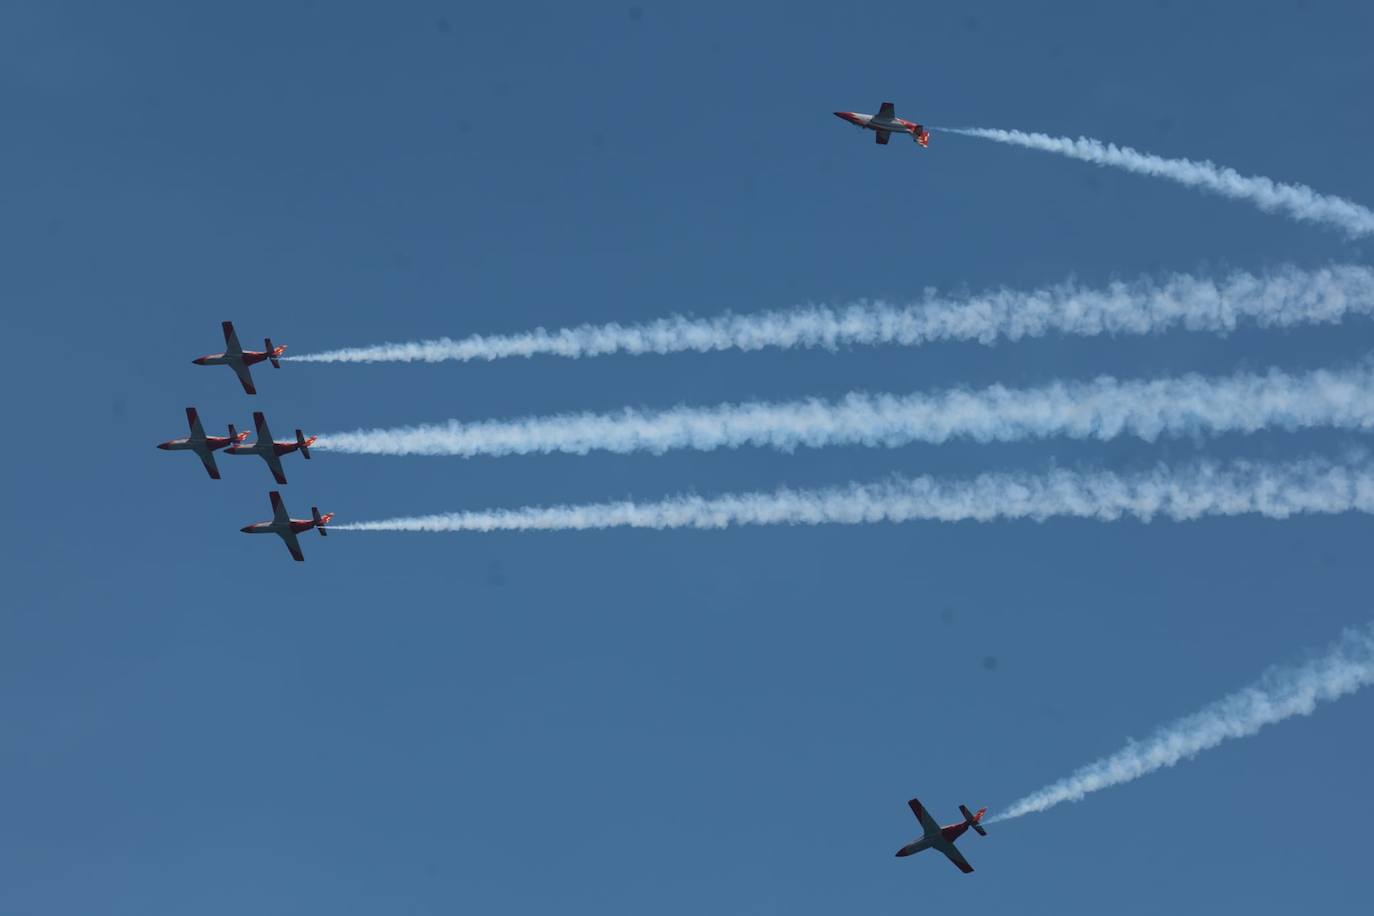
628	721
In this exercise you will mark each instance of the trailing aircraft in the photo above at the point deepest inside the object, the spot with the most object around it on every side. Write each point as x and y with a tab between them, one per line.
203	445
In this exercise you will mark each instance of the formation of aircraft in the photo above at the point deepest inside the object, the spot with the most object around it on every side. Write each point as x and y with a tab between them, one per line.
886	123
203	445
271	451
285	527
239	359
934	836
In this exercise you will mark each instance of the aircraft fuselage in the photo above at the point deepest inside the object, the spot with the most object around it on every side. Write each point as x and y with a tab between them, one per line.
886	123
947	835
296	526
208	444
264	448
249	358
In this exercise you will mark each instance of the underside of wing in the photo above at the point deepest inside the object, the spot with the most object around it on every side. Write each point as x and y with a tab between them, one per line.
928	824
241	370
294	546
274	462
882	136
208	459
957	858
279	513
193	421
231	339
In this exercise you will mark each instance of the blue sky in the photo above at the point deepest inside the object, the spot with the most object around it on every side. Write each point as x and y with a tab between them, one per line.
627	721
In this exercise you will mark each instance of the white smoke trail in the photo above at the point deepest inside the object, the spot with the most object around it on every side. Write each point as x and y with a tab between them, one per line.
1101	409
1295	200
1280	693
1270	490
1280	298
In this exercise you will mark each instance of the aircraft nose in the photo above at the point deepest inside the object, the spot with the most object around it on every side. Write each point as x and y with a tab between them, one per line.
246	528
162	445
198	361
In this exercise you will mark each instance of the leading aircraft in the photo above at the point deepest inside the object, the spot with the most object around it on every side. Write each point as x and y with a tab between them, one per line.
203	445
942	838
239	359
270	451
286	527
886	123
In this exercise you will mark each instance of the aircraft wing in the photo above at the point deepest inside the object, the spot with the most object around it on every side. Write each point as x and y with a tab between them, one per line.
881	136
294	546
274	462
210	467
231	340
956	857
887	110
928	824
279	513
245	378
193	421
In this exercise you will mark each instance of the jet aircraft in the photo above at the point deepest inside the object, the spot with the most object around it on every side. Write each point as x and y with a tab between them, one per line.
886	123
942	838
286	527
203	445
239	359
270	451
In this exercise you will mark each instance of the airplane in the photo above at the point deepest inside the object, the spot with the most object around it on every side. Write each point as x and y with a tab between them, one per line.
270	451
886	123
942	838
239	359
286	527
203	445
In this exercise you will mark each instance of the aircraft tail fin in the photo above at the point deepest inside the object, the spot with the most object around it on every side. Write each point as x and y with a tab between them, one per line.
921	135
273	352
234	434
972	819
320	520
303	444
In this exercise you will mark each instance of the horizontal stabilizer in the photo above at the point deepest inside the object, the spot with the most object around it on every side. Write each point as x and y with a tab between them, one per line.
972	819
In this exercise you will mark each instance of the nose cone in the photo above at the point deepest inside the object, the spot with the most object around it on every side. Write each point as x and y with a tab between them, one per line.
198	361
246	529
842	115
164	445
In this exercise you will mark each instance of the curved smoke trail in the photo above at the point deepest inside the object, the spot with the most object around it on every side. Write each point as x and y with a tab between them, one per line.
1100	409
1280	298
1279	694
1295	200
1240	488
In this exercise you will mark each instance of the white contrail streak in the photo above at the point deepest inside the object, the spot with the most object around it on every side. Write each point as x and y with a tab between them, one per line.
1281	693
1103	408
1280	298
1194	491
1295	200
